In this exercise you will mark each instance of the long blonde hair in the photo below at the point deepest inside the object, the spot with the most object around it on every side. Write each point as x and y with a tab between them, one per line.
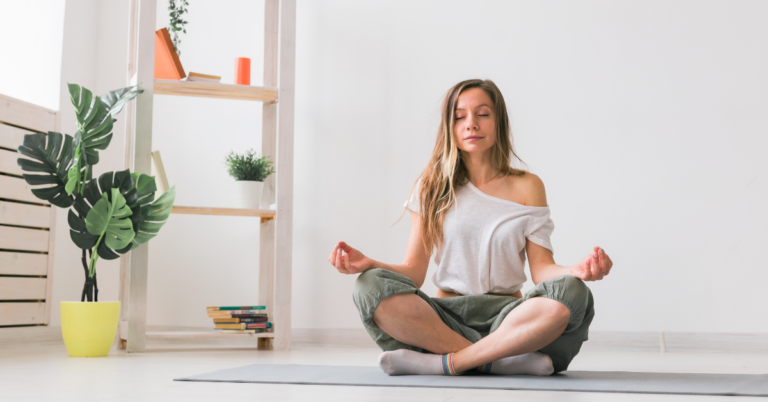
446	171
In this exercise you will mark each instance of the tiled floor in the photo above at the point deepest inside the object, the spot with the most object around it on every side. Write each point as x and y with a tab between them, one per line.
39	369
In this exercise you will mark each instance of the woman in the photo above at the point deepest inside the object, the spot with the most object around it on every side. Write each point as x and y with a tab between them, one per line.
483	217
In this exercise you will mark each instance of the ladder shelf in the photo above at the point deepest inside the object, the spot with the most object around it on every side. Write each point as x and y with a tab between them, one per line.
275	235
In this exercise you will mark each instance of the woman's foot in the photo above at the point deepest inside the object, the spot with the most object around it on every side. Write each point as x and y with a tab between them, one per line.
408	362
534	363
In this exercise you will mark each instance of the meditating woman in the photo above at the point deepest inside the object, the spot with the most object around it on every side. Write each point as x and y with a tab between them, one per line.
482	216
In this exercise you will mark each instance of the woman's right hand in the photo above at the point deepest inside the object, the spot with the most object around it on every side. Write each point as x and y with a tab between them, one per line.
348	260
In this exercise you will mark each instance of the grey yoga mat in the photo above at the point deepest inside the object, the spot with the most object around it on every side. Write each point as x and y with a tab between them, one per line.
583	381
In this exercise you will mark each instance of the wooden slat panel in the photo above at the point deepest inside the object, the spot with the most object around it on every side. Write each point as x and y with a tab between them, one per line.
24	114
13	288
22	313
11	137
23	263
8	162
15	188
23	239
14	213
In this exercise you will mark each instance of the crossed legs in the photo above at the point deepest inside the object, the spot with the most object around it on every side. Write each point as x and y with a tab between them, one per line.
533	324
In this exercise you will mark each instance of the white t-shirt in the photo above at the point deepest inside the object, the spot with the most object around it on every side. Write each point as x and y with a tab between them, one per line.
483	248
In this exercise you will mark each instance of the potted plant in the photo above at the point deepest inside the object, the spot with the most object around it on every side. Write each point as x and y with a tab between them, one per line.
249	171
112	215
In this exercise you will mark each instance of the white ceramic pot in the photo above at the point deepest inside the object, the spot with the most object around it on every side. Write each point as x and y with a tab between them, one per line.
248	194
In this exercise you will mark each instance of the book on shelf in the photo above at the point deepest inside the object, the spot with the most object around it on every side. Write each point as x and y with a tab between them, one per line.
237	320
244	325
244	331
167	63
203	77
237	316
228	313
218	308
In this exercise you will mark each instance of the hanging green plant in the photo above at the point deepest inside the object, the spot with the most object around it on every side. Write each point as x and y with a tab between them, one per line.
177	24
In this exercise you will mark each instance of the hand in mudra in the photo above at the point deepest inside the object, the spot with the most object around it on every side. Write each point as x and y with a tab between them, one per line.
593	267
348	260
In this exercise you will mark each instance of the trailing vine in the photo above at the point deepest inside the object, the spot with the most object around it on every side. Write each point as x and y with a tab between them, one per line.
178	8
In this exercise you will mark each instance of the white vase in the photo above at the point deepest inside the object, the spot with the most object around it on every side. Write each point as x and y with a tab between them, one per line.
248	194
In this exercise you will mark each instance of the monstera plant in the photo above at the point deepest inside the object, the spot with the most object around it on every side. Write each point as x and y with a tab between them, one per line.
113	214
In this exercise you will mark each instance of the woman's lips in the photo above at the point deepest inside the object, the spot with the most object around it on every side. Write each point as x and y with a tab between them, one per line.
473	139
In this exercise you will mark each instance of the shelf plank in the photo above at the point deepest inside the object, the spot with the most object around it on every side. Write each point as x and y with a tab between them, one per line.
204	334
215	90
266	214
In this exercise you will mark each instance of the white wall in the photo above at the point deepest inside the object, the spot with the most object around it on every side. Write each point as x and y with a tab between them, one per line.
644	119
30	50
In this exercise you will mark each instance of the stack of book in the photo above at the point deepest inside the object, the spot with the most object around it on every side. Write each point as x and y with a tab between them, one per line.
240	320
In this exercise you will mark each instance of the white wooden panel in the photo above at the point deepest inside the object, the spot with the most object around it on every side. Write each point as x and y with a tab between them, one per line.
12	238
22	313
142	154
23	263
284	179
49	273
11	137
15	188
15	288
24	114
15	213
8	162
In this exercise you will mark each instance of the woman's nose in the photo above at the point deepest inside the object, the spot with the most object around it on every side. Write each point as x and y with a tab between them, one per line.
470	122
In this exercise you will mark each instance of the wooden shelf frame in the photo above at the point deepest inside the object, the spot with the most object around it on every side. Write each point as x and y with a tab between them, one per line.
215	90
275	235
265	214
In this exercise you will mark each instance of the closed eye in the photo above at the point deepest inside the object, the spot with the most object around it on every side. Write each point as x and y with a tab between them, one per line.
459	118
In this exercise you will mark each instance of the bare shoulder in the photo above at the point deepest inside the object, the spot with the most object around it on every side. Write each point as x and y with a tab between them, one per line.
531	187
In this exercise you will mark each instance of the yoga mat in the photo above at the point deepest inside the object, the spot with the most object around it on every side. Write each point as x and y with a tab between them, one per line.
582	381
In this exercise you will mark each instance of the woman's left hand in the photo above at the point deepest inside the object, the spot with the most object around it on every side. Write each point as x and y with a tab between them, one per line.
593	267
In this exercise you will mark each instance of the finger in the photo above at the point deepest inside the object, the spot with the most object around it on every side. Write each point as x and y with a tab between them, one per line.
595	267
332	257
338	259
603	262
346	262
587	270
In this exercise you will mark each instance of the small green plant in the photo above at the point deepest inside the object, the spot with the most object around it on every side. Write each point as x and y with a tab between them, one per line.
249	166
178	8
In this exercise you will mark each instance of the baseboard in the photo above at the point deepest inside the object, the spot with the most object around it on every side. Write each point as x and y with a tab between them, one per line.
599	341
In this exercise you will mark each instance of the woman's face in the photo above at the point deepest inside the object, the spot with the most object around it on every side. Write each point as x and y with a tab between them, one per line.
475	126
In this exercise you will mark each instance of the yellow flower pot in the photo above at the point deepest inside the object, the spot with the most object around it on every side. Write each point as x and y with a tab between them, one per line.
89	328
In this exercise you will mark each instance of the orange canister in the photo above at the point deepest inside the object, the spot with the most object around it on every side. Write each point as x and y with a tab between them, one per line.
243	71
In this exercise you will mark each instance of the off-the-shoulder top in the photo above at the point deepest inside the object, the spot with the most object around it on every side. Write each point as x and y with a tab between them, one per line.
483	249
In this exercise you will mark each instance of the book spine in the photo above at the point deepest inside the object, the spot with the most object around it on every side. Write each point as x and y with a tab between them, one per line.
258	325
237	308
238	320
214	316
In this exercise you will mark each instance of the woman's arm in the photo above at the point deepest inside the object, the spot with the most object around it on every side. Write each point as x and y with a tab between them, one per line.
348	260
591	268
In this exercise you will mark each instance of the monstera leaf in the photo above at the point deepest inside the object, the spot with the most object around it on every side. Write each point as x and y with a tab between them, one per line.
93	192
115	100
154	217
52	155
149	215
94	123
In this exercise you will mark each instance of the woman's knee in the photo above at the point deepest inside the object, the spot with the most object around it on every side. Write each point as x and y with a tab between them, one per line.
575	295
375	285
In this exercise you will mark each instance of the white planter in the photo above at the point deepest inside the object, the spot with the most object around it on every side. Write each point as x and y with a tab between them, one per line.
248	194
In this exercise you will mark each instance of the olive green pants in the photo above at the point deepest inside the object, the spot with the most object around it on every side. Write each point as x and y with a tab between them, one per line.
476	316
